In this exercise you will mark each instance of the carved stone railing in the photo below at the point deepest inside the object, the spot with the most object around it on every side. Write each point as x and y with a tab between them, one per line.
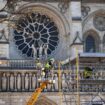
22	75
26	80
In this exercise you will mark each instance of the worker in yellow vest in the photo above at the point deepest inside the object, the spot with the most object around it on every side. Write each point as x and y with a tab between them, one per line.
87	72
48	66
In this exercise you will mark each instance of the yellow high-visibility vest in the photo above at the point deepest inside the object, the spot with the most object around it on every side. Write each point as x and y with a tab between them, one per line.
87	72
47	66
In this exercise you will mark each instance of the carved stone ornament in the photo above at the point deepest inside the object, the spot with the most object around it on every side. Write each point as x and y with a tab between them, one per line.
99	21
63	6
85	10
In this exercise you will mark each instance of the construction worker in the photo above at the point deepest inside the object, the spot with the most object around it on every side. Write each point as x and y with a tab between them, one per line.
87	72
48	66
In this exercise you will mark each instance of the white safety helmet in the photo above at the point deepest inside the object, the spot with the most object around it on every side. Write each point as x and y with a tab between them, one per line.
52	60
42	69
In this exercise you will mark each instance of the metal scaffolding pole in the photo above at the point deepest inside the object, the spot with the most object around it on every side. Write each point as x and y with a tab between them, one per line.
77	77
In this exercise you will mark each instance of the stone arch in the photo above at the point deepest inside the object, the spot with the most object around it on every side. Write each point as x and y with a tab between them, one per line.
51	11
59	20
94	35
43	99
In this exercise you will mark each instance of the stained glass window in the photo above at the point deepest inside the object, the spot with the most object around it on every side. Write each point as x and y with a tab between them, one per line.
90	44
36	30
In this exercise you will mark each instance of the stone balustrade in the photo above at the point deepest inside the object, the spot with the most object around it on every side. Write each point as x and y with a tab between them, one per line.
27	80
23	75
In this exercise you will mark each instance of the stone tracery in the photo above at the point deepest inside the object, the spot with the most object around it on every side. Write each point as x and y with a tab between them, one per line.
36	35
99	21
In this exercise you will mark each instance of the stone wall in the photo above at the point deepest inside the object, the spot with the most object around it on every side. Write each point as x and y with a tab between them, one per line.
67	20
53	98
91	11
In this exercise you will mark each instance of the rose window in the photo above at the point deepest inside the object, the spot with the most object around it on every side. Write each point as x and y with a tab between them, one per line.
36	33
99	22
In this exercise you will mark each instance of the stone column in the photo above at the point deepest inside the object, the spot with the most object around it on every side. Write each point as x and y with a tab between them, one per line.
19	82
34	81
30	81
15	79
63	81
8	81
56	82
26	81
23	82
0	81
4	82
12	82
101	47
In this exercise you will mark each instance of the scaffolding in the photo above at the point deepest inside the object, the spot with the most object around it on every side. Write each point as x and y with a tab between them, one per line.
74	98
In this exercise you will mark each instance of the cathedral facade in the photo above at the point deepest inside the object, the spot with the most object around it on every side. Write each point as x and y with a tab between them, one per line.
53	29
31	29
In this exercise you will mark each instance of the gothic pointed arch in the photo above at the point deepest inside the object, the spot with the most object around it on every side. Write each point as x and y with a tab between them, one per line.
91	41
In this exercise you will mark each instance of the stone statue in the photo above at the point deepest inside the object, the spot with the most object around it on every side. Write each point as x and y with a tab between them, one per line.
34	51
40	51
45	50
37	54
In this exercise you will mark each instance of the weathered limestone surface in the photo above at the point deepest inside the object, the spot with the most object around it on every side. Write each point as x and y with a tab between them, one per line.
48	98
